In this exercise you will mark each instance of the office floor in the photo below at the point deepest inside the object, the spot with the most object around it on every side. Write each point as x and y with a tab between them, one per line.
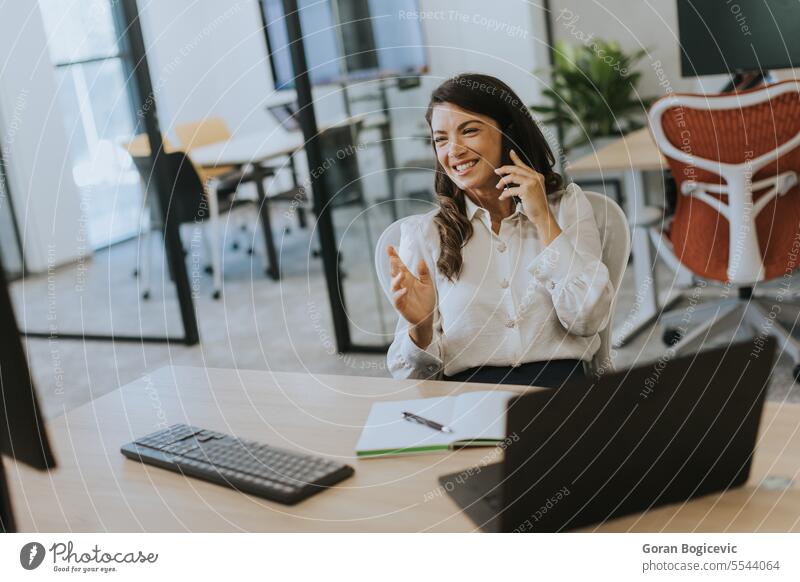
258	323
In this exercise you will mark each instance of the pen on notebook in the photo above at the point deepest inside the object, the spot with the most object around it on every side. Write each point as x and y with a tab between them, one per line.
429	423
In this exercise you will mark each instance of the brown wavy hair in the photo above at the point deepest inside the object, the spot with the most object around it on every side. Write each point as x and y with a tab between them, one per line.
491	97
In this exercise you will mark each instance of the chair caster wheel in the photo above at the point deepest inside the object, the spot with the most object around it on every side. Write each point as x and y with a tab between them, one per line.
208	269
216	295
250	251
235	246
146	295
671	337
796	372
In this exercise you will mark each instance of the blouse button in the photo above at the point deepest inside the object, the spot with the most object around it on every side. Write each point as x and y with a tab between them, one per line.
504	283
552	285
501	247
509	323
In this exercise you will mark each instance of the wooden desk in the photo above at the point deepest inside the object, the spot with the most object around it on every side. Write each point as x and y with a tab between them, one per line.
625	160
96	489
245	149
636	150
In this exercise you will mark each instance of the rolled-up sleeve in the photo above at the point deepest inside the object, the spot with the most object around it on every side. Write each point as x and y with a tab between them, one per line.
405	359
572	270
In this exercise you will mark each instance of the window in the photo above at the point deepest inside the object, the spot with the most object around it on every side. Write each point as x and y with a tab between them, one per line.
93	92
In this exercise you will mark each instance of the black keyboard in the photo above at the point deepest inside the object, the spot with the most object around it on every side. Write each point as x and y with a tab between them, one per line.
247	466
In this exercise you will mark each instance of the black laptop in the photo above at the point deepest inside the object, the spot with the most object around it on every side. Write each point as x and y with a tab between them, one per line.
594	450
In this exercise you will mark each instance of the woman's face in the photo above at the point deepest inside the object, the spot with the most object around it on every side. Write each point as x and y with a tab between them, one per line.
468	146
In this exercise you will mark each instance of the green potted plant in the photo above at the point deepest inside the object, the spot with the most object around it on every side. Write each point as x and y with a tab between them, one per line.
593	93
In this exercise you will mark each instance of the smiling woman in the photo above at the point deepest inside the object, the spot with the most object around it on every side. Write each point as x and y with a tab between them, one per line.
509	286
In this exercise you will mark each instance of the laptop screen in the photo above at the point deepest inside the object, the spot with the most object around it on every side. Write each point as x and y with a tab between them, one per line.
286	115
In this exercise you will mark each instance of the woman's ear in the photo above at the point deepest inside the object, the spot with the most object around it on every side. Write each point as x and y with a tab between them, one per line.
507	145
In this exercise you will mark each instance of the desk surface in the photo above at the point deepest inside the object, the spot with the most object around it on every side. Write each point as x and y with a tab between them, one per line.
257	147
96	489
635	151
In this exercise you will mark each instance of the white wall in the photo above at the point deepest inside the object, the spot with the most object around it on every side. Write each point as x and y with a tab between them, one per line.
34	143
207	57
498	38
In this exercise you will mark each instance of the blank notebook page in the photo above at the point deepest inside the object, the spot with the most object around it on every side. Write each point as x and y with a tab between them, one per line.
480	415
387	429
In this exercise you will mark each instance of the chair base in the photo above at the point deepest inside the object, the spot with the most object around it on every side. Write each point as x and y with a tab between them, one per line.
688	330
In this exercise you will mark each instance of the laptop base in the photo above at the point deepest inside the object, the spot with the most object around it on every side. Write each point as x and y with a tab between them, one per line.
479	494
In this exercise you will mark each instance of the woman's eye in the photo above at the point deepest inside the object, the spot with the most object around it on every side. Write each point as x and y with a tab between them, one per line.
470	130
440	140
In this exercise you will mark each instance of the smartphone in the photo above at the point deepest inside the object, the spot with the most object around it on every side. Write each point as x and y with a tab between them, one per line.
505	160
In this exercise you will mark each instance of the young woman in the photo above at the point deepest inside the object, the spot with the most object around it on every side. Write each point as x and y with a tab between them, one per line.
504	282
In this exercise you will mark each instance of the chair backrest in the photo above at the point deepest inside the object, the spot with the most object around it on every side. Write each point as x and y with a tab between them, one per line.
615	240
342	178
186	194
616	246
390	236
733	157
199	133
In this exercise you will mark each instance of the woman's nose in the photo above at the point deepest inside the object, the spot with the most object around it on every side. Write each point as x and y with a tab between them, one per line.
456	149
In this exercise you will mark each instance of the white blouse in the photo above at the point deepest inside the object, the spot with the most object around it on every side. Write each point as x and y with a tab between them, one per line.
515	301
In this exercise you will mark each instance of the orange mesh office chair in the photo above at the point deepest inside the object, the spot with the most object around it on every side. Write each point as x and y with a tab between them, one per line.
735	159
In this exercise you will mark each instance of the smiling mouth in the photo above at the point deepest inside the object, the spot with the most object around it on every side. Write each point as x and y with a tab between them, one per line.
464	167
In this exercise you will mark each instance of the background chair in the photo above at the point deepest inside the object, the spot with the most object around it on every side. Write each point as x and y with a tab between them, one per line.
204	132
423	168
211	130
342	178
139	147
735	159
192	201
615	242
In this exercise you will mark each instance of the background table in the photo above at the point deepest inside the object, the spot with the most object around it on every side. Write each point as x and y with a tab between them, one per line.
255	151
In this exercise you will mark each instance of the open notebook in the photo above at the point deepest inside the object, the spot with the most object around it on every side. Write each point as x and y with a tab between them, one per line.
476	419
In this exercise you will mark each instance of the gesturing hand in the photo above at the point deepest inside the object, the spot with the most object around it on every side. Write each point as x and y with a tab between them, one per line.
414	297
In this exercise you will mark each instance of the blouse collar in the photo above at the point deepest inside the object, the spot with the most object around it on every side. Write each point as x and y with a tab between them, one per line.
473	209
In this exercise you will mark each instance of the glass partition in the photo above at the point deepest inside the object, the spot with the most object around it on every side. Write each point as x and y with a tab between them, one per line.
10	245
